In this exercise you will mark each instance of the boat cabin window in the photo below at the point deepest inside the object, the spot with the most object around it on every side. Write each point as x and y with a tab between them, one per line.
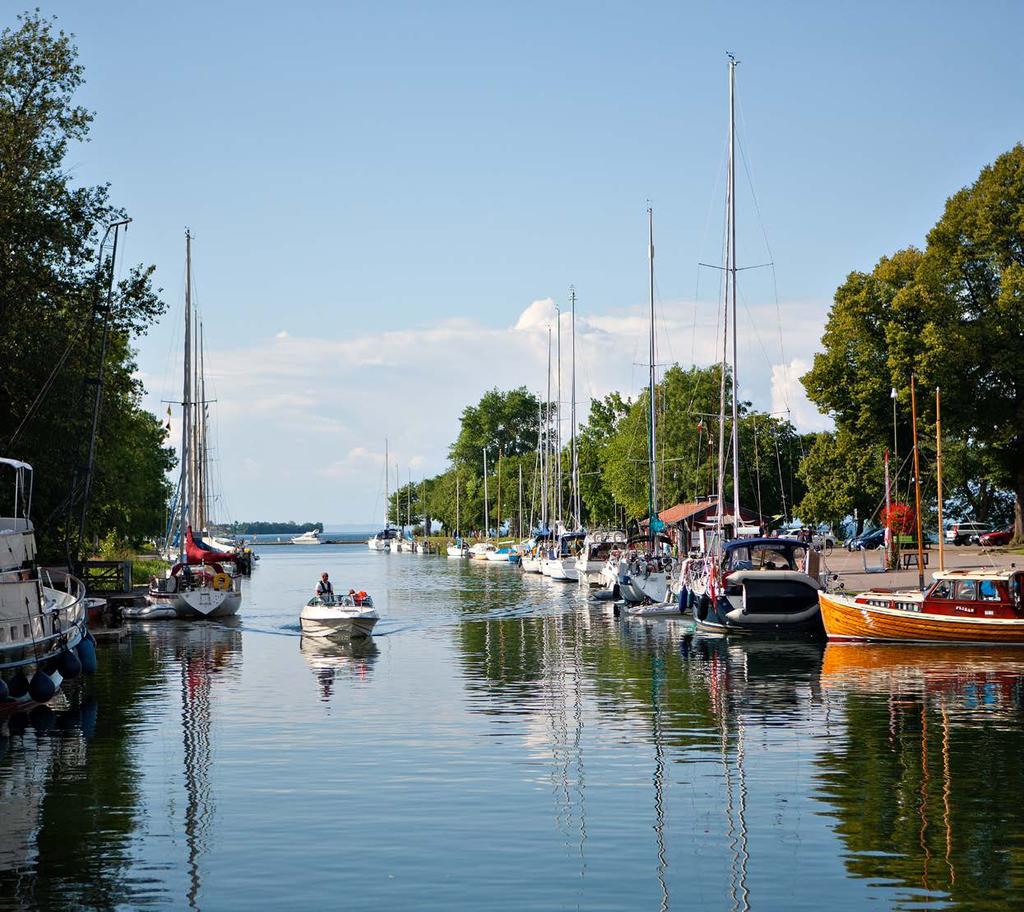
761	557
966	590
988	591
943	589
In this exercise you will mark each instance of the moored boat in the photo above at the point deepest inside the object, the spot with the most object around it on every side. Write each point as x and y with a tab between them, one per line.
43	635
961	606
312	537
345	617
598	547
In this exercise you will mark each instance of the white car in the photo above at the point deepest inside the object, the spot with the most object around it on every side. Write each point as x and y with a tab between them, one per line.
966	533
821	539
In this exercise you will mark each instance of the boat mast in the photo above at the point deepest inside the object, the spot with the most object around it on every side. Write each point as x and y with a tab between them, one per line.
458	525
186	400
487	506
938	472
577	517
387	495
732	276
917	486
497	519
558	414
547	444
652	490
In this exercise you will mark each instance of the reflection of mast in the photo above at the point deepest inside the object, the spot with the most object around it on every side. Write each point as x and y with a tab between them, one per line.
195	729
659	778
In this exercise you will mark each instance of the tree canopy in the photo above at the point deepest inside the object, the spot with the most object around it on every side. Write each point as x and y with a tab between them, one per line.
50	287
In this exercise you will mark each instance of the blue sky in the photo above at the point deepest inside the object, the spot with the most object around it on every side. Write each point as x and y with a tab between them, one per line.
379	193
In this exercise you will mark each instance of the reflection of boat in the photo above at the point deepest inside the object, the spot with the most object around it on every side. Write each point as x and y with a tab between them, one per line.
312	537
328	659
347	616
962	606
42	620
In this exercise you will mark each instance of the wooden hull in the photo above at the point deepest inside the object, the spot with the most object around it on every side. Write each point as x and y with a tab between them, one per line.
845	619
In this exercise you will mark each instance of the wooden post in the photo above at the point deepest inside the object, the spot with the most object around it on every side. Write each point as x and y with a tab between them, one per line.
938	470
917	484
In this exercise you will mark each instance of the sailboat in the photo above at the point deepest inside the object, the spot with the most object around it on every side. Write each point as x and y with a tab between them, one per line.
387	538
748	585
641	571
458	547
197	586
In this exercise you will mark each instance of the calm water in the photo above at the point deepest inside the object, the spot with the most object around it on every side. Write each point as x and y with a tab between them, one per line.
500	745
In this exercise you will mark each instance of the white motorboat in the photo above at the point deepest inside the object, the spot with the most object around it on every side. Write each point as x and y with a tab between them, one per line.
344	617
458	549
311	537
385	540
43	636
480	550
598	547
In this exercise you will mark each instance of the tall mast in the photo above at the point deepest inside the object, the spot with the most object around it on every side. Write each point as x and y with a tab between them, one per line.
938	472
917	485
577	518
186	397
732	276
387	495
204	447
547	444
497	519
558	412
458	525
487	506
652	496
520	524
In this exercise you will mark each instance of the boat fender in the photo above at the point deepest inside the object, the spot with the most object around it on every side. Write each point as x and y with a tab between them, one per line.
41	688
703	606
18	686
69	665
683	596
170	584
221	581
5	694
86	650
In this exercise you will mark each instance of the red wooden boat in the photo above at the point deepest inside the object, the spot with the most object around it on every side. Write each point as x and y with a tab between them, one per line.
962	606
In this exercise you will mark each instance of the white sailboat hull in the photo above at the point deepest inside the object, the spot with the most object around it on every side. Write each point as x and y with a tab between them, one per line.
191	604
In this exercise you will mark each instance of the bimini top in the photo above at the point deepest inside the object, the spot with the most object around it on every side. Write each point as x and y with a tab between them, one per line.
780	543
15	463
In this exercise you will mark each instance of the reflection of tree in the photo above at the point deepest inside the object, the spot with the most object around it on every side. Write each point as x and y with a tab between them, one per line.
90	803
922	788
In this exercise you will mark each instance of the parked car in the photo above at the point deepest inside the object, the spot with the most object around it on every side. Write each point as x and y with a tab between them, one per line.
1001	537
822	538
867	541
966	533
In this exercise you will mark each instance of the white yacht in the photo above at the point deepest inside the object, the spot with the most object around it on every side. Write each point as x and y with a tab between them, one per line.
43	637
598	547
312	537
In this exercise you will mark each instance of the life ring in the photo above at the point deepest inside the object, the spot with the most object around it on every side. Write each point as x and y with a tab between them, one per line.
221	581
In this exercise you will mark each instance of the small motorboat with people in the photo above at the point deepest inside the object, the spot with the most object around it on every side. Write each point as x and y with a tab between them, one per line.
43	614
961	606
345	617
757	585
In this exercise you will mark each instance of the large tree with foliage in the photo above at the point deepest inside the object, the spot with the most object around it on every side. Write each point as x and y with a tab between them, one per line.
49	286
953	315
501	422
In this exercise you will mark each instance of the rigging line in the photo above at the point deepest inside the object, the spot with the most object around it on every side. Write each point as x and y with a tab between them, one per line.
748	169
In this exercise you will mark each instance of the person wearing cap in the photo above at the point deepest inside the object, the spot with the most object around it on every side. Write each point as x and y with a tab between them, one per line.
324	589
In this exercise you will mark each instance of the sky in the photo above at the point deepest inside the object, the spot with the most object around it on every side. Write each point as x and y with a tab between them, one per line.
388	200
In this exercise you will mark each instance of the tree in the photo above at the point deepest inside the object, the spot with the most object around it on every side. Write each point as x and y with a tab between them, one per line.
841	478
49	286
505	423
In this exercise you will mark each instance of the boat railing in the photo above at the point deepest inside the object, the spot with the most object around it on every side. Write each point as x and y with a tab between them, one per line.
39	612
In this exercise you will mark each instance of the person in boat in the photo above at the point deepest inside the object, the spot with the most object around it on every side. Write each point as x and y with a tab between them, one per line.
324	589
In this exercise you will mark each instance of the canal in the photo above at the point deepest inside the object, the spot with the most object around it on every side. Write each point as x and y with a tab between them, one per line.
501	744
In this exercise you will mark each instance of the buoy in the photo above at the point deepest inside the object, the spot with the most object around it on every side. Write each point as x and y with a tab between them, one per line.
41	688
5	694
221	581
69	665
18	685
87	655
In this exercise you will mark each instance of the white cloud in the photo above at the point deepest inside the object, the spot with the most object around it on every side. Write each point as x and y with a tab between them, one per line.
308	417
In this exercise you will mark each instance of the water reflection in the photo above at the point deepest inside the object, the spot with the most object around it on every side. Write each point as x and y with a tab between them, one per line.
923	781
346	660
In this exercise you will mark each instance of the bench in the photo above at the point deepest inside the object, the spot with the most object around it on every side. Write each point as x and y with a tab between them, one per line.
909	541
910	557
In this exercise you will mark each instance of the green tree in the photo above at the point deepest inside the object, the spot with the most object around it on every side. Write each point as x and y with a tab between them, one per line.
841	478
502	422
49	285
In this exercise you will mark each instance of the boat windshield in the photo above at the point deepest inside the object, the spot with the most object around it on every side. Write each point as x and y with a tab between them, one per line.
761	556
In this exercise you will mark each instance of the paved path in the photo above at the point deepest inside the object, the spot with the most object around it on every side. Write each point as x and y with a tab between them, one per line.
850	565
